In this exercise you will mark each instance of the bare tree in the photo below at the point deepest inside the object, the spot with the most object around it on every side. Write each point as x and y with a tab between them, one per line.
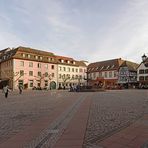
66	79
10	75
43	76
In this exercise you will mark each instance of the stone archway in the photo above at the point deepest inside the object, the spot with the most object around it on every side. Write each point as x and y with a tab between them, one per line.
53	85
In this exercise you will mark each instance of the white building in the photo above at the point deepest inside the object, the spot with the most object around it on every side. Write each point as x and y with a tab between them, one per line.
142	72
70	72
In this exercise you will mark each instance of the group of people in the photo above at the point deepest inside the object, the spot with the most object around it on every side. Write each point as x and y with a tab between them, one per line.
6	90
75	88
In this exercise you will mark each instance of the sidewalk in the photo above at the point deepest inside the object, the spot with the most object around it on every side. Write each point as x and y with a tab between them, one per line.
134	136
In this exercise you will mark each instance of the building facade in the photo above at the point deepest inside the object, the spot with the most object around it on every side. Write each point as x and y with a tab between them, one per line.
104	73
128	74
142	73
33	68
70	72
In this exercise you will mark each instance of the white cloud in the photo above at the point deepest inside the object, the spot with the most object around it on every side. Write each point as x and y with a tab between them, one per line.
78	29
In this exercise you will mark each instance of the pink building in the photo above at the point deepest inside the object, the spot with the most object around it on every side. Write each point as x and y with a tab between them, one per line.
28	67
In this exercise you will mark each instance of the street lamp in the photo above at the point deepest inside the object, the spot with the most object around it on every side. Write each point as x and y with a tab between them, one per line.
144	57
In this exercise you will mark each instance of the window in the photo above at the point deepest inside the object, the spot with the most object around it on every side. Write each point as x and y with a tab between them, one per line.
110	74
76	70
113	66
22	63
115	74
141	71
68	76
141	78
100	74
46	74
39	65
80	70
60	68
73	70
146	78
63	76
68	69
39	73
30	73
94	75
107	67
52	66
30	64
29	56
105	74
23	55
31	83
64	68
102	67
146	70
21	72
46	66
52	74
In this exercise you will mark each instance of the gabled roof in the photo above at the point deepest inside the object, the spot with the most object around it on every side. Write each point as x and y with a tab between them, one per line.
81	63
35	51
64	58
131	65
105	65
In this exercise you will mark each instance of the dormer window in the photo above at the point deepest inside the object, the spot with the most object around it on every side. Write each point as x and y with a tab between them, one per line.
62	61
107	67
68	62
102	67
23	55
113	66
36	57
28	55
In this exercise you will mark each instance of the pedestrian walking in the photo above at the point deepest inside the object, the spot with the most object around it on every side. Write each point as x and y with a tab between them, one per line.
20	89
6	91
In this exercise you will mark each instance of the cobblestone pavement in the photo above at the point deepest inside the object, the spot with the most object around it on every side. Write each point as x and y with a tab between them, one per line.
112	111
19	111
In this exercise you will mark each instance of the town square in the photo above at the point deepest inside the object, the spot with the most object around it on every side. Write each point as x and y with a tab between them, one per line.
73	74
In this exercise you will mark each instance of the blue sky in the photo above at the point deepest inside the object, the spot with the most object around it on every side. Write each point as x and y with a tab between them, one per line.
92	30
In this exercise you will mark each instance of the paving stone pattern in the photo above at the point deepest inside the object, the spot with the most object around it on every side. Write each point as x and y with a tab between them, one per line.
111	111
50	135
18	111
